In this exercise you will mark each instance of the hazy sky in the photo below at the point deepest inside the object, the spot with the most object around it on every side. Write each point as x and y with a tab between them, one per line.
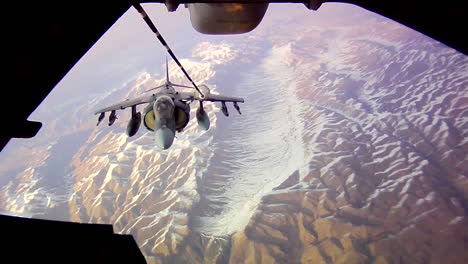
129	48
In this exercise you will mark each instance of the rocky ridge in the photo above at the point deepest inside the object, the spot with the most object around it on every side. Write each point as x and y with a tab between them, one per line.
379	177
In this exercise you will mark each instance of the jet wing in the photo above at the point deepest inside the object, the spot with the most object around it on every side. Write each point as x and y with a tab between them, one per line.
209	97
185	96
222	98
125	104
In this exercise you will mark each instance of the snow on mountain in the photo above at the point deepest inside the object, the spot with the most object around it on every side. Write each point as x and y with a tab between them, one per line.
384	143
351	148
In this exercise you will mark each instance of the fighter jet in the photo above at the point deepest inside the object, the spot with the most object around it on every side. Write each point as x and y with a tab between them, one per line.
168	110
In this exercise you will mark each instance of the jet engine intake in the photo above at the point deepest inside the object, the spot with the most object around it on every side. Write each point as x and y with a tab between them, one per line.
149	120
182	117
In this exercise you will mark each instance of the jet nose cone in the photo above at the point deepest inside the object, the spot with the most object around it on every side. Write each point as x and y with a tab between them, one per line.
164	137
